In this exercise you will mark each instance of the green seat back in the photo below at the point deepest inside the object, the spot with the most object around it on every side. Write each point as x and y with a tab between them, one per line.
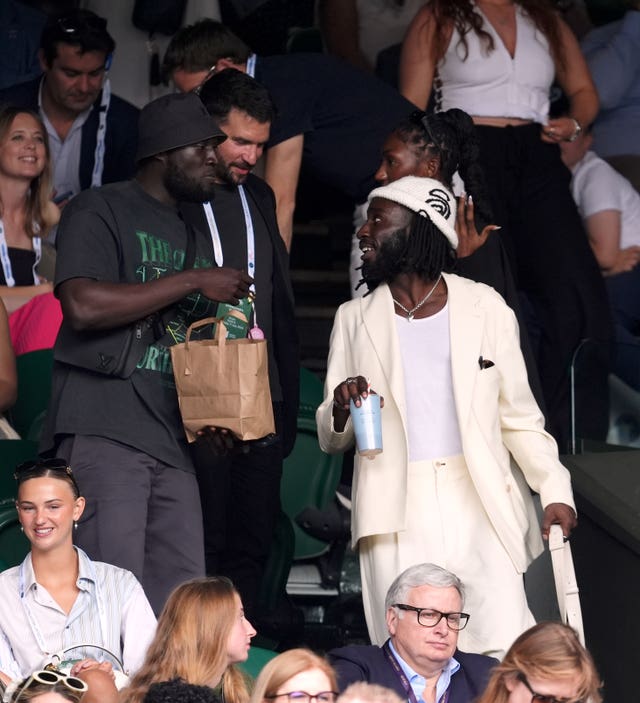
258	657
12	453
34	390
14	546
309	477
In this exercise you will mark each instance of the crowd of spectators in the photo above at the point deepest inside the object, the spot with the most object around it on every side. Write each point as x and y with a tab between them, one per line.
113	219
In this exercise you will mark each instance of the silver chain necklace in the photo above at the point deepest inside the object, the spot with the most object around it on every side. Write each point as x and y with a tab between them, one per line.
410	313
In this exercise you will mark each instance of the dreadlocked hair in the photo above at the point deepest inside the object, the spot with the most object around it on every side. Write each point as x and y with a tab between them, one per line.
451	136
427	251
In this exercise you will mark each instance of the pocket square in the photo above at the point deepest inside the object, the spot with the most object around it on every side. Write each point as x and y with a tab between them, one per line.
485	363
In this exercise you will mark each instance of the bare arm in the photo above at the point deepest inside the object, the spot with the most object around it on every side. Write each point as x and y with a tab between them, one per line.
8	377
339	24
576	81
603	229
89	304
16	296
418	59
281	172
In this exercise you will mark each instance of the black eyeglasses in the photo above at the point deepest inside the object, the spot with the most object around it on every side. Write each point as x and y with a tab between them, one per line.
304	697
51	678
544	697
28	468
427	617
71	25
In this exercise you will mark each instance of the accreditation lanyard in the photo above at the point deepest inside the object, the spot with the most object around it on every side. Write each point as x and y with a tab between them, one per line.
33	623
7	269
217	243
404	681
98	157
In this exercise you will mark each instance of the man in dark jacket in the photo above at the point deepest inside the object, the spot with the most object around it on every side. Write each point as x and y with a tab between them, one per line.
420	660
92	133
240	488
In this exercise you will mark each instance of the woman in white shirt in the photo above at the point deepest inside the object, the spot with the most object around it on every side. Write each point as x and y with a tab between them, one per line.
58	604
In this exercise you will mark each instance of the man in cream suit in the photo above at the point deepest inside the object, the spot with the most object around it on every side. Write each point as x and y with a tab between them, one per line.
462	434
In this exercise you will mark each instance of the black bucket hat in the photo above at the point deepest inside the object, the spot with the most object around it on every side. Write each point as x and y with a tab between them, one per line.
173	121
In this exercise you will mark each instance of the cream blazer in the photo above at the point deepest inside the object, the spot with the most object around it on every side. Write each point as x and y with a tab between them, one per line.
501	427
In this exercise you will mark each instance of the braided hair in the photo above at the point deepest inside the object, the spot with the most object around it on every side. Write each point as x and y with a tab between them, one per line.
450	136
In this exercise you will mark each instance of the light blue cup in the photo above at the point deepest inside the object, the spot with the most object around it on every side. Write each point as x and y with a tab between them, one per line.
367	425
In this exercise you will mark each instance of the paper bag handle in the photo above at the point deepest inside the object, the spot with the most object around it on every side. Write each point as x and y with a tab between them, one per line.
220	336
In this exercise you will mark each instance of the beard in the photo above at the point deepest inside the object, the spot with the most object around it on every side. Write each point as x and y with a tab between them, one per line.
224	174
185	189
388	262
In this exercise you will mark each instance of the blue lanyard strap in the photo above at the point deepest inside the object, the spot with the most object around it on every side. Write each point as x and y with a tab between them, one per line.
98	157
399	672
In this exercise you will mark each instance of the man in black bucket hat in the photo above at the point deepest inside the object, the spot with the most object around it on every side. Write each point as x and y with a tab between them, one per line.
132	276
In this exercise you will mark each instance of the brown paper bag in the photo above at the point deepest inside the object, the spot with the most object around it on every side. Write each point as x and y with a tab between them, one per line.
223	383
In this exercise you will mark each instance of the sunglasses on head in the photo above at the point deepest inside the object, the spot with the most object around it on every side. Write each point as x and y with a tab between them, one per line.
46	677
29	468
75	25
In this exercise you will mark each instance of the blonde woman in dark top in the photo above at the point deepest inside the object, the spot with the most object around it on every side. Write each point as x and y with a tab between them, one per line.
202	633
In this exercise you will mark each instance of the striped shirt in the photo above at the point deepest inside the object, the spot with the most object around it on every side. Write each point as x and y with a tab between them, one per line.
111	611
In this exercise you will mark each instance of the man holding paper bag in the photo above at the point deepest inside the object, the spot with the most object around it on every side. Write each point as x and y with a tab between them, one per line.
240	483
132	276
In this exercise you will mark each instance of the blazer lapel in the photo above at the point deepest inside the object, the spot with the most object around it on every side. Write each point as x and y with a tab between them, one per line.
466	323
379	320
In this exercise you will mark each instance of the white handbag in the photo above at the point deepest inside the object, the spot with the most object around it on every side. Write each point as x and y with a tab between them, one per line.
565	577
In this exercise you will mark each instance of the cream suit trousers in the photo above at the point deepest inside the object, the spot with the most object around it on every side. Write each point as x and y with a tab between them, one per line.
448	526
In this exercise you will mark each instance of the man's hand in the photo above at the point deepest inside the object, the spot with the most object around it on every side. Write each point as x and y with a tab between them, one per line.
353	388
221	441
626	260
224	284
558	514
469	240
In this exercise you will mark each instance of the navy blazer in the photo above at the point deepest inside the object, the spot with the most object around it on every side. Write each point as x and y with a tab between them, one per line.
285	336
369	663
121	139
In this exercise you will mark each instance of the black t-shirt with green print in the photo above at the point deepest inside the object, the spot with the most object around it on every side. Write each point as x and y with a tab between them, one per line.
119	233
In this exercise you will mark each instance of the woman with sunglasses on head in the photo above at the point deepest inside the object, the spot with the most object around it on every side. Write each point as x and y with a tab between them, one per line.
296	676
546	664
202	634
58	600
48	686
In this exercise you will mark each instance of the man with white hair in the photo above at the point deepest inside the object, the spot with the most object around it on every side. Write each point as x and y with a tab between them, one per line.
444	354
420	660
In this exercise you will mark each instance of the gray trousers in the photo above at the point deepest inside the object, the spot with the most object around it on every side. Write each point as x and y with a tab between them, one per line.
141	514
